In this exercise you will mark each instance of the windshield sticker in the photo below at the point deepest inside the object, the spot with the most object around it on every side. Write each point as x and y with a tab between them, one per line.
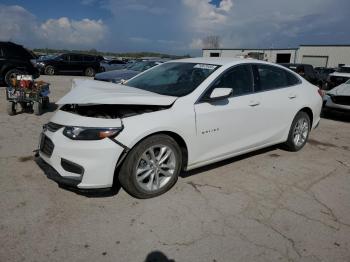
204	66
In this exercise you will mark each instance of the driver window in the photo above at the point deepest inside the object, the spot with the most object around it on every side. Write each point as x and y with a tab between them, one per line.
239	78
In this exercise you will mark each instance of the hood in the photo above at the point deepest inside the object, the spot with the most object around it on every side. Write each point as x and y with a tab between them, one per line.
96	92
341	90
116	74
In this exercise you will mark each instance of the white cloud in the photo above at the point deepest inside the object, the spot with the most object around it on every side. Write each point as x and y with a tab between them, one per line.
64	31
17	24
205	17
196	43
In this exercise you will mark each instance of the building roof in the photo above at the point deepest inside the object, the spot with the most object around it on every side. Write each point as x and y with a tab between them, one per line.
329	45
262	49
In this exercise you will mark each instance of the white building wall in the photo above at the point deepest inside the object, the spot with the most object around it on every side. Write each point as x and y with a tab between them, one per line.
335	54
269	55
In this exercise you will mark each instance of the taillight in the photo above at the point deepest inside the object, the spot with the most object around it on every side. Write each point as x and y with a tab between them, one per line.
321	92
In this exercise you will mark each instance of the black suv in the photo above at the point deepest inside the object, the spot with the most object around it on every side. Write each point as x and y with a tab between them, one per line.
88	65
15	60
306	71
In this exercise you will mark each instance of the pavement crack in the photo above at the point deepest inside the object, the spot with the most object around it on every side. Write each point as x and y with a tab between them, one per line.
196	186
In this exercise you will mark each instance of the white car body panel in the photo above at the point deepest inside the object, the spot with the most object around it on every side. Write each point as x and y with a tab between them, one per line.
211	131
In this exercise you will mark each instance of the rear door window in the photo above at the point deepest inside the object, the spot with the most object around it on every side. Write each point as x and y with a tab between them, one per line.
89	58
272	77
76	58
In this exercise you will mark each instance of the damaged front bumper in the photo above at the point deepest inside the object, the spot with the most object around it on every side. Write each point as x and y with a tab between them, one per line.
80	164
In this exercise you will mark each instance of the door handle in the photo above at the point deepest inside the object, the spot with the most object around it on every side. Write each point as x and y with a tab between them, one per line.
254	103
292	96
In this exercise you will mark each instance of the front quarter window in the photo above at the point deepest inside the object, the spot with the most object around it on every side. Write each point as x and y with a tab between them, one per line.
173	78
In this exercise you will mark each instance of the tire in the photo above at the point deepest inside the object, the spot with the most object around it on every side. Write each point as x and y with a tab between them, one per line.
89	72
37	108
139	160
11	108
50	70
299	132
12	74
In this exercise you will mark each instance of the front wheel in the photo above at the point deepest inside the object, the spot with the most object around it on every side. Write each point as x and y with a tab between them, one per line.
299	132
152	167
50	70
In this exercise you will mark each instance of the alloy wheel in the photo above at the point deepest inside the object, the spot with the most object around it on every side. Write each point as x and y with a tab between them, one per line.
155	168
301	131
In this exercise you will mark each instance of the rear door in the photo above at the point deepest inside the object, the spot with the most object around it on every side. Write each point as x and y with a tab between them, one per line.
227	126
279	93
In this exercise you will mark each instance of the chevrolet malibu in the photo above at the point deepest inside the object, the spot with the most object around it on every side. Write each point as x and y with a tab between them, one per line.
177	116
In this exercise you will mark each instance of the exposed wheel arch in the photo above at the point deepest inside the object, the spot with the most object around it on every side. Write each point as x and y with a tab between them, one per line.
309	112
179	140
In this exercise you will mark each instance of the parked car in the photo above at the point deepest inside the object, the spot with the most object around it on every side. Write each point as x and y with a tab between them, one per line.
88	65
323	73
306	71
177	116
15	60
131	70
338	77
338	98
115	64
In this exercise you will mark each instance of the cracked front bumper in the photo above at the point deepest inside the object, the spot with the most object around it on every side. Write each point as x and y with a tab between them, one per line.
81	164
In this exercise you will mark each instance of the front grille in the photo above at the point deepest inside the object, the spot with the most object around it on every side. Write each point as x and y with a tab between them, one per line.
341	100
53	127
46	145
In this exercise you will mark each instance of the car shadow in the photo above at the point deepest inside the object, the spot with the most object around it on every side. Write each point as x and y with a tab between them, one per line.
200	170
157	256
336	116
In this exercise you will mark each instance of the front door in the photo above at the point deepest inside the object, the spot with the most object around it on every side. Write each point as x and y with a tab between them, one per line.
228	126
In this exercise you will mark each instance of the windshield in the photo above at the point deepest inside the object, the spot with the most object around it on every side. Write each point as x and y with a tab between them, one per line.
347	82
173	79
344	69
140	66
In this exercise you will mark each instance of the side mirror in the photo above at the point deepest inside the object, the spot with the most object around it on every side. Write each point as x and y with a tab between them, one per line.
220	93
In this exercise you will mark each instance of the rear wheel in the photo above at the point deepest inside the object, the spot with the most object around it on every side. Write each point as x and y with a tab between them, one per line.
299	132
151	167
90	72
11	108
11	75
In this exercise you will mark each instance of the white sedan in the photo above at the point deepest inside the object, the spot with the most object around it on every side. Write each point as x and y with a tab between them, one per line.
176	116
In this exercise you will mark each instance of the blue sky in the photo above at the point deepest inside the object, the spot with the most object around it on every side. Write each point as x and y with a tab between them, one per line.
173	26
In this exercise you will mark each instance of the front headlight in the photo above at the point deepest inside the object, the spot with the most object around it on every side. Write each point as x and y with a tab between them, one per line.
90	133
